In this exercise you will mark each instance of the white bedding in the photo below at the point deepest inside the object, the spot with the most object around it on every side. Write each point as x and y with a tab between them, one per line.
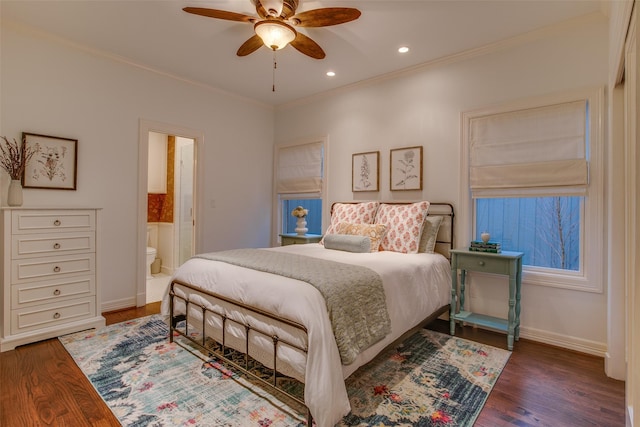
415	286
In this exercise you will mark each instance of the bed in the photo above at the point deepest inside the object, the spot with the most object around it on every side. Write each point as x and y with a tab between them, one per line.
282	321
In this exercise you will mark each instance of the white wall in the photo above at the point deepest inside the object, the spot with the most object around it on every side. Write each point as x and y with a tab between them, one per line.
424	107
55	88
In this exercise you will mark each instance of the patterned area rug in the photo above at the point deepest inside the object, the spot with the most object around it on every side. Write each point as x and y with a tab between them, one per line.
431	379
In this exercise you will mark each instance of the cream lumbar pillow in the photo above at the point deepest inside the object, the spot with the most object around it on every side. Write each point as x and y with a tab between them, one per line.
375	232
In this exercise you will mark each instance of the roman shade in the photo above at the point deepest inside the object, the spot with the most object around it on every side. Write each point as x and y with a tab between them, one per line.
541	148
299	169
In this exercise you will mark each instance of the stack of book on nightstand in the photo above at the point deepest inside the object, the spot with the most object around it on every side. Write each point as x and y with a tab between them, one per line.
480	246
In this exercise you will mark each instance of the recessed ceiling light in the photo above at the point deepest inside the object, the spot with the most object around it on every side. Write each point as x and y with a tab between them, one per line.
403	49
331	73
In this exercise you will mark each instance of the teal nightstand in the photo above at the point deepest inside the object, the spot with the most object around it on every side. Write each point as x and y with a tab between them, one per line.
507	263
296	239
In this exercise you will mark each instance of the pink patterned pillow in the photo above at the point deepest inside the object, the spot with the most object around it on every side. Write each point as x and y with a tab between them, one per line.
354	213
404	226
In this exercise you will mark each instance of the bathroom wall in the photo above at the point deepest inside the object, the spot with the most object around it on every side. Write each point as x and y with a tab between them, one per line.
160	204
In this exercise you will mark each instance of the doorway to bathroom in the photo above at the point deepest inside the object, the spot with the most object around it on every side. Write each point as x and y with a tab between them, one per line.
169	209
167	218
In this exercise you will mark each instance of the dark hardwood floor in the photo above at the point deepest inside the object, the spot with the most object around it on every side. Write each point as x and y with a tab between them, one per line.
543	385
40	385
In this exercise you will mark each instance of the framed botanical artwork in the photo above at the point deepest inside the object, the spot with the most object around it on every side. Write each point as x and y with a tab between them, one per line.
53	166
364	171
405	169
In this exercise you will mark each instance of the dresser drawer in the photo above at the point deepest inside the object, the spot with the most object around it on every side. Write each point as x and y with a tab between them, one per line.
51	221
29	294
486	264
31	245
24	270
43	316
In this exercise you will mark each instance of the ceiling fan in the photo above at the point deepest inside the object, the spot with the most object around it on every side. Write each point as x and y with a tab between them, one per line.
274	25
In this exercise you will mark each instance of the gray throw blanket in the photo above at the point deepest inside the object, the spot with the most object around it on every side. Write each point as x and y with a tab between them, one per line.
354	295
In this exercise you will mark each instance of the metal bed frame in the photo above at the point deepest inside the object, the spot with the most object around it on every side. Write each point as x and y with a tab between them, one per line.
225	353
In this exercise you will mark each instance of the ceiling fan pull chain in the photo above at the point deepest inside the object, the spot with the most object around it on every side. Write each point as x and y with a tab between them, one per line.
275	65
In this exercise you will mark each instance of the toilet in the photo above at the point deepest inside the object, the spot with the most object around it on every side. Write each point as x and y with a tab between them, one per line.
151	256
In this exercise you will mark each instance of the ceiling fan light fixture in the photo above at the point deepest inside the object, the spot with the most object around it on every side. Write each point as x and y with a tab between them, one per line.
274	34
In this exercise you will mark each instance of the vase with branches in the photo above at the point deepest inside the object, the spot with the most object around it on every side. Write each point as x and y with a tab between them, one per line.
14	157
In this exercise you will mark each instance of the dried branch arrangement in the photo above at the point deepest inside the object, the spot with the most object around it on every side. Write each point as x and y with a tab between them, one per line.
14	157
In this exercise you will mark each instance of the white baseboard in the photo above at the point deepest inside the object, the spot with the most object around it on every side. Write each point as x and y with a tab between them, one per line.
118	304
564	341
572	343
615	368
12	341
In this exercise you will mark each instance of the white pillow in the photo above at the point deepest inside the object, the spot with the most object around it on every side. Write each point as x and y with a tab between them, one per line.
429	234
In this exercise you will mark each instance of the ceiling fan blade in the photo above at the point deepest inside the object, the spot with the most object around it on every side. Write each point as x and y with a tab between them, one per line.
289	8
307	46
325	17
219	14
250	46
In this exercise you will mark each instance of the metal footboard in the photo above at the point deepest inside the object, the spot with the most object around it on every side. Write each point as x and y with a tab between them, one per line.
224	351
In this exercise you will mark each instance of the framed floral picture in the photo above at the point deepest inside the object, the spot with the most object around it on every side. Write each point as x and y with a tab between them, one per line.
364	171
53	166
406	169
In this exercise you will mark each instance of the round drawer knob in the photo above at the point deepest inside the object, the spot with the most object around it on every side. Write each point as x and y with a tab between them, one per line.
57	222
480	263
56	292
56	246
56	316
56	269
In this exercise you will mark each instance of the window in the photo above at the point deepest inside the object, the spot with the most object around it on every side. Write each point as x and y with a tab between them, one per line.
314	218
299	181
546	229
533	172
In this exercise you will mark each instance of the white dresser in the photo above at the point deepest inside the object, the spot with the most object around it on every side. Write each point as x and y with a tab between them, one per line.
49	274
